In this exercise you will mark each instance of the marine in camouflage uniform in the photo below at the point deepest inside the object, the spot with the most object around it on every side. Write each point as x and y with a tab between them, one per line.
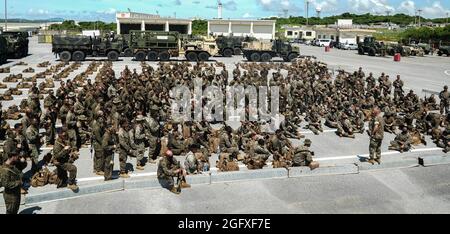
402	141
48	119
137	134
34	142
226	144
109	142
258	155
445	101
63	161
11	178
98	130
71	125
376	134
168	168
303	155
125	148
152	131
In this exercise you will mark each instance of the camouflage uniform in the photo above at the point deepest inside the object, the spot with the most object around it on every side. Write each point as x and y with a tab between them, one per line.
64	163
376	137
445	101
166	171
49	121
34	142
152	135
302	156
108	145
402	142
11	178
125	149
137	134
97	138
71	123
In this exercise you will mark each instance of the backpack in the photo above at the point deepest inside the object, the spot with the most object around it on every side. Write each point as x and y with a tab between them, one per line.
41	178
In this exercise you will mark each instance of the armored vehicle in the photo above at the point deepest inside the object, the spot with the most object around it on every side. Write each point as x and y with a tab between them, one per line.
77	48
17	44
260	51
231	45
444	50
3	50
200	50
371	47
154	45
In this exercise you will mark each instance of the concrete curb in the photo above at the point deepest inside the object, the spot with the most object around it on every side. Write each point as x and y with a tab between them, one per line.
404	163
153	182
272	173
295	172
428	161
67	193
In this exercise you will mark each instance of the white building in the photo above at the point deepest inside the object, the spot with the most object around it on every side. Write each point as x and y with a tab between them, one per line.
261	29
127	21
299	33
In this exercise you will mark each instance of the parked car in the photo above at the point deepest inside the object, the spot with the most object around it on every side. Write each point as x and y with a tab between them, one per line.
349	46
324	42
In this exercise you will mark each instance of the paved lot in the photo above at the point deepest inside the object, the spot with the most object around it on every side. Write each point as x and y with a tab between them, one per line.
418	74
413	190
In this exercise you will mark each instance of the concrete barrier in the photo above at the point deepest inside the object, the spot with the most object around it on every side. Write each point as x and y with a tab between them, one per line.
399	163
65	193
428	161
199	179
331	170
220	177
153	182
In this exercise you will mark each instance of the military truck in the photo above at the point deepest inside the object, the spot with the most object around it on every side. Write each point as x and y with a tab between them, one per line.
260	51
444	50
3	50
17	44
371	47
231	45
77	48
154	45
200	50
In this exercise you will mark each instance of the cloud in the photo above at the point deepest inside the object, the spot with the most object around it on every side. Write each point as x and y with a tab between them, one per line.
325	5
408	7
196	2
278	5
435	10
110	11
371	6
247	15
177	2
230	5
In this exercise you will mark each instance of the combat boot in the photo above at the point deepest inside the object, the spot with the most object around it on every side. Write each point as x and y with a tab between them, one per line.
371	161
378	160
124	175
185	185
100	173
139	167
175	190
152	161
73	187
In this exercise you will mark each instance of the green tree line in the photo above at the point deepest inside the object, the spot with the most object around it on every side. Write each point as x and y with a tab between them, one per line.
70	25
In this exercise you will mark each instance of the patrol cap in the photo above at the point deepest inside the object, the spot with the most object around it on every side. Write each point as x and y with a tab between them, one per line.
140	118
82	118
71	94
308	142
116	101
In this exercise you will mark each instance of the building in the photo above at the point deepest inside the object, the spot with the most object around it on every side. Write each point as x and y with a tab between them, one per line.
297	32
261	29
127	21
344	35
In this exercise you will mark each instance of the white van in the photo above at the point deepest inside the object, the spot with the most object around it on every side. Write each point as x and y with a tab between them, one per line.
324	42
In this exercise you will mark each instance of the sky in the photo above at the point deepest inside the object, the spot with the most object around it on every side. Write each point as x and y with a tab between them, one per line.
105	10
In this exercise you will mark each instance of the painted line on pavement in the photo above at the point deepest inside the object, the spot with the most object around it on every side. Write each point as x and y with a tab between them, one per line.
382	154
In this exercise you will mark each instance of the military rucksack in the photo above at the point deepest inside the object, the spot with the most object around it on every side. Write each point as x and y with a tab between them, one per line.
40	178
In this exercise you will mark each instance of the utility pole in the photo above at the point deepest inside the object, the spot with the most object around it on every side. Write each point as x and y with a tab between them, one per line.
307	12
420	12
446	20
6	16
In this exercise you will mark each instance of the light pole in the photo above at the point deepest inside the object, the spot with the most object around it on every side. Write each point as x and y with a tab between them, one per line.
420	11
6	15
307	12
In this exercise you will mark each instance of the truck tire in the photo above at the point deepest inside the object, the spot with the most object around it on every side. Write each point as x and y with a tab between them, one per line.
128	52
113	55
227	53
65	56
152	56
140	56
266	57
191	56
164	56
292	56
372	52
203	56
237	51
255	57
361	51
78	56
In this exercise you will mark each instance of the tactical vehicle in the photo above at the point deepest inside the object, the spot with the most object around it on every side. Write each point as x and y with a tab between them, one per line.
231	45
444	50
260	51
17	44
3	50
200	50
77	48
153	45
371	47
425	47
